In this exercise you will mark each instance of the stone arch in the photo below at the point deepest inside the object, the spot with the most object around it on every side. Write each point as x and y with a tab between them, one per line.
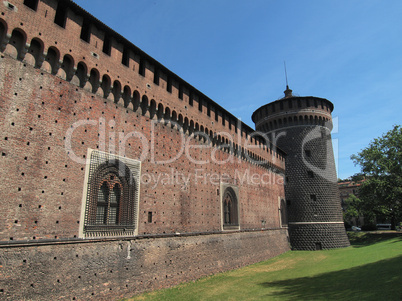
160	111
174	116
152	109
180	120
66	68
200	136
320	120
51	63
144	105
218	139
185	124
80	76
106	84
3	34
311	119
116	91
94	77
191	127
136	100
230	210
16	45
167	114
34	56
315	120
126	96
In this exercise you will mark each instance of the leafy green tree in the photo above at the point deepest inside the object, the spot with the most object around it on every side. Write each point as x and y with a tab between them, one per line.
353	208
380	164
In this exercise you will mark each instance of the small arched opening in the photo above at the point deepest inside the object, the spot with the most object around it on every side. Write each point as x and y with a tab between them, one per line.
35	53
106	84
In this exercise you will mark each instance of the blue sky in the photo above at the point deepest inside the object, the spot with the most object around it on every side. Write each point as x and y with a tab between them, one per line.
348	51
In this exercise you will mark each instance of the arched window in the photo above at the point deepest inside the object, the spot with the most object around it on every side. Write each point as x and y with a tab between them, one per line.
101	206
111	196
107	207
230	209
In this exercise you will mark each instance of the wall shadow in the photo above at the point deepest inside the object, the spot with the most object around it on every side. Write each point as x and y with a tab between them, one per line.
368	239
376	281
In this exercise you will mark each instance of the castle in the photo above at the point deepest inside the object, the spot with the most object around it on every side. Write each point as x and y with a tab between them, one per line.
120	177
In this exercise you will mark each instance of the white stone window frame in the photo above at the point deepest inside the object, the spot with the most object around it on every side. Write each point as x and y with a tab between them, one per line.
135	168
223	187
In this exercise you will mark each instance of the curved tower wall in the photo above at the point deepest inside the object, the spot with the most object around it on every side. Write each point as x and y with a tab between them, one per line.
302	127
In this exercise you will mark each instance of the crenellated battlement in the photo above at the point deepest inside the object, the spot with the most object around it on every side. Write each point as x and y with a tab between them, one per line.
61	38
293	111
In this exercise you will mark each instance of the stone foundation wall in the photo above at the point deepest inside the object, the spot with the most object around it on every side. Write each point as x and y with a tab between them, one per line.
109	270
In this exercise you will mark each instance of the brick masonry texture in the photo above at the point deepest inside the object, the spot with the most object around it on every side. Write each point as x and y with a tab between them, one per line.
302	126
115	269
53	84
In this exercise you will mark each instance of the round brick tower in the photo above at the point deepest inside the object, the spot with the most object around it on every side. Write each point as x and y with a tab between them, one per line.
301	126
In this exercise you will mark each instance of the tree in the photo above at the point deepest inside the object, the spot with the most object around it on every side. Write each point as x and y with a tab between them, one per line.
353	208
380	164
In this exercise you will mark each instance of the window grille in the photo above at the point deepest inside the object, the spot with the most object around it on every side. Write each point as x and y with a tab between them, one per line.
111	195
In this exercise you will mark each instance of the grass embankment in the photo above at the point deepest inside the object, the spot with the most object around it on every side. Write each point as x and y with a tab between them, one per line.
369	270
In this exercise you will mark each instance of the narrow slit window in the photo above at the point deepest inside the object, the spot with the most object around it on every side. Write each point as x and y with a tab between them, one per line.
150	217
61	15
32	4
126	57
107	45
156	77
190	99
169	85
86	31
141	70
181	92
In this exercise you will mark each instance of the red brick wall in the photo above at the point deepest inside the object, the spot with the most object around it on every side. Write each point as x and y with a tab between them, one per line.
42	186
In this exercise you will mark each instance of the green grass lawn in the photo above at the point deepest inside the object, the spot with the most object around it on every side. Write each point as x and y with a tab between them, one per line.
369	270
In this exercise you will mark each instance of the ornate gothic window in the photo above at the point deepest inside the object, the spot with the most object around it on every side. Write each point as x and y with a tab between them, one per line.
111	196
230	209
